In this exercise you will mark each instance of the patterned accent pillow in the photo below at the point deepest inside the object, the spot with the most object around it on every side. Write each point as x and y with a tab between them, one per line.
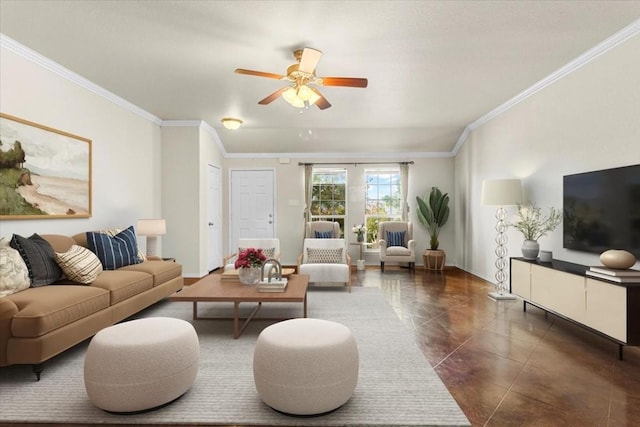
324	255
324	234
395	238
39	257
14	274
114	252
79	264
268	252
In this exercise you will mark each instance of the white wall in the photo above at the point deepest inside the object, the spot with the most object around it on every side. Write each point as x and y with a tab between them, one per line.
126	146
425	173
588	120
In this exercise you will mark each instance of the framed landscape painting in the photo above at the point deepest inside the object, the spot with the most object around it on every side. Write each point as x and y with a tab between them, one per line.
44	172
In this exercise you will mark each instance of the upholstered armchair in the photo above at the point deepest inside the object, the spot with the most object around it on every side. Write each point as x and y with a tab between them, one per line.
396	243
326	261
327	228
270	247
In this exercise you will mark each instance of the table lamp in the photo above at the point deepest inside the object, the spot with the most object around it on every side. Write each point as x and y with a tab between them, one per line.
152	228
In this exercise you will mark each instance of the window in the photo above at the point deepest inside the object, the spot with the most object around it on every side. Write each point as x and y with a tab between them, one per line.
383	199
329	196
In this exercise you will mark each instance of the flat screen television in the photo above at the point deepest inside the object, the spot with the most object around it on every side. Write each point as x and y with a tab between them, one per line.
602	210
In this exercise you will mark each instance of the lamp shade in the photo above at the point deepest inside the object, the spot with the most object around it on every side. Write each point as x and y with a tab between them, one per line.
151	227
501	192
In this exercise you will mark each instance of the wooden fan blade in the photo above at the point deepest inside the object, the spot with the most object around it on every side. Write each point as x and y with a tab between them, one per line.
309	60
259	74
321	103
343	81
269	99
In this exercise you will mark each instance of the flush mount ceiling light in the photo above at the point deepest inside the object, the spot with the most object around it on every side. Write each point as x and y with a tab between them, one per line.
231	123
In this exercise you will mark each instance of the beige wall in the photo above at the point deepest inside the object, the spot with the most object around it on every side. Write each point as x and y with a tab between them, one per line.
126	146
187	150
588	120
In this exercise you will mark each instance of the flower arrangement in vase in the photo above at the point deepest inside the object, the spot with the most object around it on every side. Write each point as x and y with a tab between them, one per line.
533	225
248	263
360	230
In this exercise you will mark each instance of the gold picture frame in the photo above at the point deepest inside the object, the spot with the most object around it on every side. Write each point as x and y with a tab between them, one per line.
44	172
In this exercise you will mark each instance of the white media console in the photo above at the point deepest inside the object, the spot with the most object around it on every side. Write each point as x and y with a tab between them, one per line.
559	287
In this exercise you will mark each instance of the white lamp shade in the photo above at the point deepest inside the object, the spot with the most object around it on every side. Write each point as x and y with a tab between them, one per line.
151	227
501	192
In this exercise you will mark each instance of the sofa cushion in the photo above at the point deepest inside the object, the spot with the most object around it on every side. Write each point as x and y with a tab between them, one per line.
162	271
114	251
44	309
123	284
14	274
79	264
39	258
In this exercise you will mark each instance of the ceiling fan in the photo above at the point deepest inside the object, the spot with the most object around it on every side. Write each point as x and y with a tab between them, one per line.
302	74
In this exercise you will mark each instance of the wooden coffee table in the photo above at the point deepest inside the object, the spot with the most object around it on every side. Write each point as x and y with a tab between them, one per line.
212	289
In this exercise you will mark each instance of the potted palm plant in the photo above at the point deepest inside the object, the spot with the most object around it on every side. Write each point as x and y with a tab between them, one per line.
433	213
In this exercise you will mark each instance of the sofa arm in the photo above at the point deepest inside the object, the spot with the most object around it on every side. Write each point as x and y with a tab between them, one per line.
8	309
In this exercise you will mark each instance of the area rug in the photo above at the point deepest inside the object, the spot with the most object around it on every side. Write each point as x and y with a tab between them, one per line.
396	384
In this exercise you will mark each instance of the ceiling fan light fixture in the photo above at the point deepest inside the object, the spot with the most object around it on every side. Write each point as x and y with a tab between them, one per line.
305	93
231	123
300	97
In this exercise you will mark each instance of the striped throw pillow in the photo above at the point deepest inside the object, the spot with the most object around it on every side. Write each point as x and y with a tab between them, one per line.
324	255
324	234
79	264
114	252
395	238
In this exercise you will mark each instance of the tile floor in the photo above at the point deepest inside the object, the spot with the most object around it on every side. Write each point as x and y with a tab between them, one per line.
507	367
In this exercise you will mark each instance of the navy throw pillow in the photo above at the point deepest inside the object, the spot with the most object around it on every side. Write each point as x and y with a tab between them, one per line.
395	238
324	234
117	251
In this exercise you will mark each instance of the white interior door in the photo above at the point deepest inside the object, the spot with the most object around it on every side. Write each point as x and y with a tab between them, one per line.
252	213
214	218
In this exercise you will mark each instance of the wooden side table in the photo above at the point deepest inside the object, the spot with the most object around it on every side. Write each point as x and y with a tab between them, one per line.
434	259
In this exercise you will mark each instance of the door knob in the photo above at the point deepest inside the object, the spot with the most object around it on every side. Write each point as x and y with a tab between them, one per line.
210	224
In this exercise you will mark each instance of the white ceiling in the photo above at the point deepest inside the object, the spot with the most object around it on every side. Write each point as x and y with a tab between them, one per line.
434	67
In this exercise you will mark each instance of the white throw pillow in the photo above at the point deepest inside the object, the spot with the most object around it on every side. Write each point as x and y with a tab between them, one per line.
79	264
14	274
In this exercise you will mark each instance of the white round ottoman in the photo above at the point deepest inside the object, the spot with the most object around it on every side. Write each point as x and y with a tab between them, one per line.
141	364
305	366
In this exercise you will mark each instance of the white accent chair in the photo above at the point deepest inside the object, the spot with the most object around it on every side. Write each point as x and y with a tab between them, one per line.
264	243
323	226
405	253
325	273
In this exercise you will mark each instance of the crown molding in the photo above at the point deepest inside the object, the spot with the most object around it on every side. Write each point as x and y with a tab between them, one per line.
199	124
46	63
339	155
621	36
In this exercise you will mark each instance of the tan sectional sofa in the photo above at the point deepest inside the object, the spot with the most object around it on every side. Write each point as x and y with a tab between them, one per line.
41	322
